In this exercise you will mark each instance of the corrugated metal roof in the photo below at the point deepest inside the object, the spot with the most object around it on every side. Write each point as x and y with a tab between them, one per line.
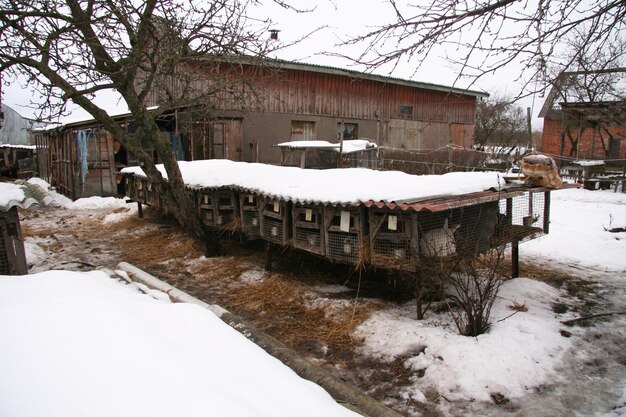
381	78
30	194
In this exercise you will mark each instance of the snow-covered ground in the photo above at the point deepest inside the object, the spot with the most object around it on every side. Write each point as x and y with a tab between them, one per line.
525	351
83	344
89	337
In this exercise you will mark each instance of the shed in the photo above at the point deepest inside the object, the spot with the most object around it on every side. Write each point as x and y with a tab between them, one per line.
18	161
324	154
575	128
12	197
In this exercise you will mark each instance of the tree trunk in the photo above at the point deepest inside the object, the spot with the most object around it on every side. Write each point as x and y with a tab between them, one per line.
175	198
178	201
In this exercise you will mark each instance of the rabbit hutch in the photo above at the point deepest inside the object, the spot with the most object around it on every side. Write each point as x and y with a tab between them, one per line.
308	228
249	214
12	254
219	208
404	235
275	220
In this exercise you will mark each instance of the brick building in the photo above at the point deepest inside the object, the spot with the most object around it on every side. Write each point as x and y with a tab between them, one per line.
575	130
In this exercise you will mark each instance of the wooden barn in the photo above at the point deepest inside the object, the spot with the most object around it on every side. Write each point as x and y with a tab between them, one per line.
292	102
288	101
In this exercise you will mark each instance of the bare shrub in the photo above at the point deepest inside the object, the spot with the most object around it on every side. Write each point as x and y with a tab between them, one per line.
473	288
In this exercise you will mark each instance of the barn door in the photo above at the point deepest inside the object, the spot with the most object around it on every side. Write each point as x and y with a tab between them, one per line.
227	137
217	143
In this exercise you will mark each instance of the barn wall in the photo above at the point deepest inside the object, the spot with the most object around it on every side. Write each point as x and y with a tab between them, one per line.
302	93
262	130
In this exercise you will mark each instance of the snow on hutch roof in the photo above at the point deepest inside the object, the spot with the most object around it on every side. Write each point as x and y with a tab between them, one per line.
349	146
8	145
345	186
21	195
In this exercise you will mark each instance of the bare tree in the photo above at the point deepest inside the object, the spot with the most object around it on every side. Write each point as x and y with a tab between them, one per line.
482	36
73	49
594	74
501	128
500	122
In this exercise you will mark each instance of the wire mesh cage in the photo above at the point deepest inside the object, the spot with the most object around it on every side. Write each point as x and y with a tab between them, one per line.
250	221
466	231
345	235
152	194
523	217
135	188
227	210
394	240
12	254
207	207
275	220
308	226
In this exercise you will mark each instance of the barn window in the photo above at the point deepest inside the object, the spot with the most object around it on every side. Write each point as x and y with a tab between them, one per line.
302	130
350	130
406	110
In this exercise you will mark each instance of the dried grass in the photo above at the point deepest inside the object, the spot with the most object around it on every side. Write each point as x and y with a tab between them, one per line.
234	226
281	307
388	261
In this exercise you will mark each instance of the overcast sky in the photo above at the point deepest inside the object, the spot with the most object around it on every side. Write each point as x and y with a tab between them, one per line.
339	20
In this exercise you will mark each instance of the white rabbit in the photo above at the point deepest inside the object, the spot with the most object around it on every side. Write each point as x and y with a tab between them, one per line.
439	242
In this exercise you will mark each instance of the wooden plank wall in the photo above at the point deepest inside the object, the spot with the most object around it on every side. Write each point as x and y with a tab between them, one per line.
326	94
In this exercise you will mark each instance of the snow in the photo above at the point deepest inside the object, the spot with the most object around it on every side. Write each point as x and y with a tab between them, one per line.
589	163
9	194
56	199
517	353
96	203
8	145
332	186
83	344
578	222
77	344
349	146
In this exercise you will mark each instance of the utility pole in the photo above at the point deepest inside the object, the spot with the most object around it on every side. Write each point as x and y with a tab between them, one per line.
530	130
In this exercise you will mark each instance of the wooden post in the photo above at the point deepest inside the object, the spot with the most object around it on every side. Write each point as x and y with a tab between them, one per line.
546	212
419	296
529	127
268	256
515	259
140	210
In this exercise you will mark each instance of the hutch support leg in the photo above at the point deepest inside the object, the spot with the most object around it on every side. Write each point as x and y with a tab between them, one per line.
268	256
515	259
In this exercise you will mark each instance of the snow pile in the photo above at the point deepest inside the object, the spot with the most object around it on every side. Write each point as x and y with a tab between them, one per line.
517	354
81	344
332	186
91	203
56	199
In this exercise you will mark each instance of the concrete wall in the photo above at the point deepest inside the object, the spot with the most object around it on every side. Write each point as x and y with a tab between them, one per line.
263	130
